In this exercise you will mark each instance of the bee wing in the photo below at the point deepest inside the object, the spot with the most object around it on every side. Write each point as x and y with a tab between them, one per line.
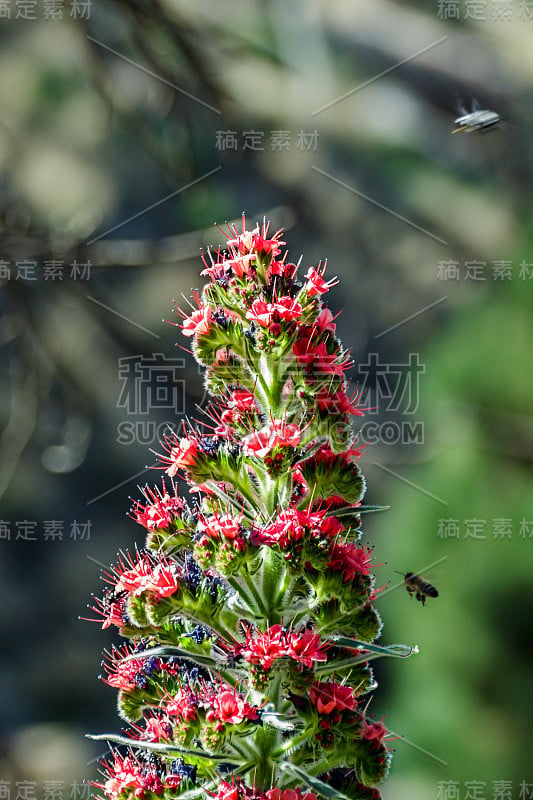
475	105
459	105
429	580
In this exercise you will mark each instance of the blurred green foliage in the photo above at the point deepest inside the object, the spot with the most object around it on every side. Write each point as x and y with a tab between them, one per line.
466	697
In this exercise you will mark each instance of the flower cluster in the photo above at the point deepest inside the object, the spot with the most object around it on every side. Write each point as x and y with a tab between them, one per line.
206	712
238	791
249	611
278	647
265	648
144	776
336	721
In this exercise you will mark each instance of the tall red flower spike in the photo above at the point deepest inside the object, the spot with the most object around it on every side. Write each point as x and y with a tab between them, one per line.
249	612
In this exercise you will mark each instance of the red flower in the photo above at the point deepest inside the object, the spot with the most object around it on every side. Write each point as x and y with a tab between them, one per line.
315	282
158	730
375	731
289	794
112	609
122	674
327	458
226	792
242	400
182	705
303	350
324	321
173	781
123	773
164	580
289	527
328	362
294	526
331	696
306	648
287	308
225	526
183	452
266	246
260	312
134	580
265	648
255	239
159	511
350	560
287	270
338	402
229	418
264	314
299	484
240	265
276	434
330	527
231	707
144	577
242	242
198	322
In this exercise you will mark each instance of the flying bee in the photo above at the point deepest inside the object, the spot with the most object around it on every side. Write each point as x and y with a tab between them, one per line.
417	586
478	119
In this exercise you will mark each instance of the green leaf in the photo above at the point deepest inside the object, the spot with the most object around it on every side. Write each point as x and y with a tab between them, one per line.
395	650
131	704
373	651
171	650
344	512
155	746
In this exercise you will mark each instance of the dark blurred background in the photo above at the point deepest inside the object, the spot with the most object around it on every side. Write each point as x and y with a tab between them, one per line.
126	130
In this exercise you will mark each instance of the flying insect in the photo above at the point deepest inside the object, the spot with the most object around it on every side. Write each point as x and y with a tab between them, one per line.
478	119
417	586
